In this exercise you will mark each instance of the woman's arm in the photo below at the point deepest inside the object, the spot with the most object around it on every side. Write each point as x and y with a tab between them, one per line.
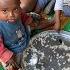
57	20
58	8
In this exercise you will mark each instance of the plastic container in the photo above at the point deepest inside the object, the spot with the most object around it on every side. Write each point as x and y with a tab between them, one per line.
1	67
67	27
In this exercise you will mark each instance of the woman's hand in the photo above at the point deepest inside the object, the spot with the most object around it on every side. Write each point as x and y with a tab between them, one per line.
11	64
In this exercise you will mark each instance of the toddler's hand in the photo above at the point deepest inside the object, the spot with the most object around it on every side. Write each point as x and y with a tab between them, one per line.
11	64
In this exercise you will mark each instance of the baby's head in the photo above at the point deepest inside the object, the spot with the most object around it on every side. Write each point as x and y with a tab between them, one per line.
9	10
28	5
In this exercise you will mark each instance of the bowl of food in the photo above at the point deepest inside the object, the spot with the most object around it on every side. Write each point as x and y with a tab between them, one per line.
47	51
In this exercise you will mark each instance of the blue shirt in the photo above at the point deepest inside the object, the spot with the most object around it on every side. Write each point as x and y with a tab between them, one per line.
15	35
42	3
66	8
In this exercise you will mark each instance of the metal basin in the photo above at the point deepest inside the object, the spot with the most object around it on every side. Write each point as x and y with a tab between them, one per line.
47	50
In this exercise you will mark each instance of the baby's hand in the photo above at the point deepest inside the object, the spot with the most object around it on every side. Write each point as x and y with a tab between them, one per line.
11	64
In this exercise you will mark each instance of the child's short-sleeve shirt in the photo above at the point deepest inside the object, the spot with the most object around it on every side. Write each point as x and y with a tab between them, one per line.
42	3
63	5
58	5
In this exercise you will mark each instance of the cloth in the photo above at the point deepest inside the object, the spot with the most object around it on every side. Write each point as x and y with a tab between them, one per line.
66	7
42	3
5	54
19	60
49	7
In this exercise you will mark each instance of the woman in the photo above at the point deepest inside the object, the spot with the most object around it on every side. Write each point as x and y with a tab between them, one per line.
58	9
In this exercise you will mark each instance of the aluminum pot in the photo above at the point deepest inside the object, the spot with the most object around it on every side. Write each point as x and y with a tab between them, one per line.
47	50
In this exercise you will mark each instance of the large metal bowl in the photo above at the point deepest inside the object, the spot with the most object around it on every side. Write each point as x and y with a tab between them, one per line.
47	50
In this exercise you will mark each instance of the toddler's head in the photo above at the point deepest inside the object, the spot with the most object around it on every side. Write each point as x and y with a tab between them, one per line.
9	10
